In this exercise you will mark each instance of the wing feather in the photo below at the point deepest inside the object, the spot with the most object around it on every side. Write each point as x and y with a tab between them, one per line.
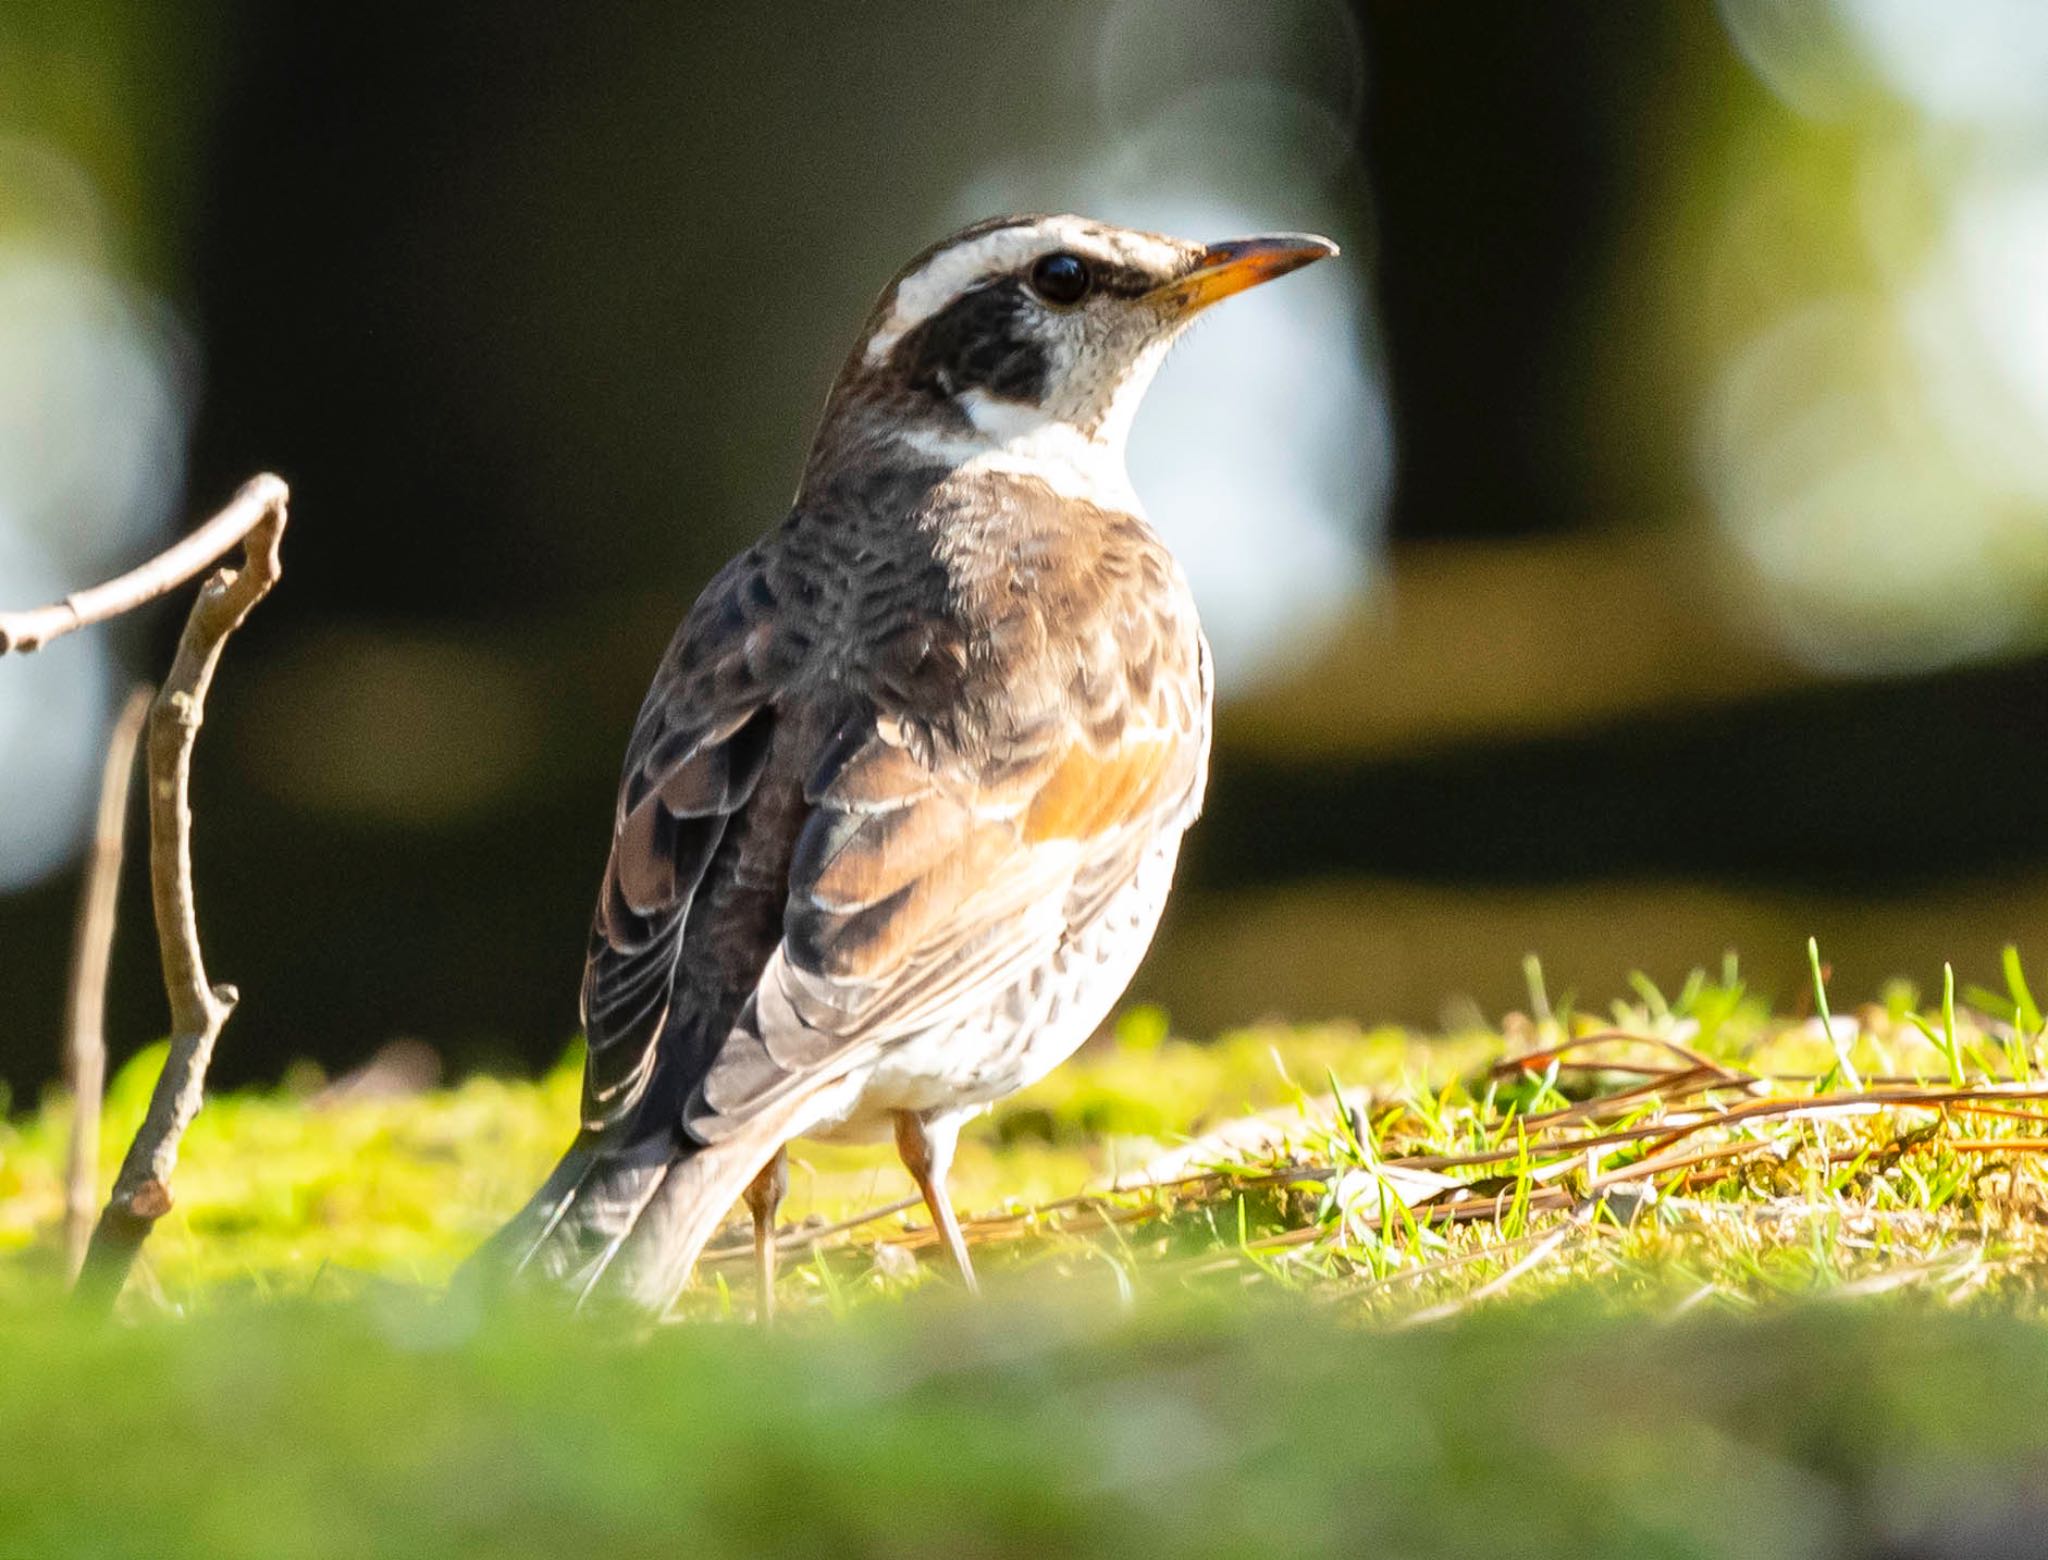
920	890
697	755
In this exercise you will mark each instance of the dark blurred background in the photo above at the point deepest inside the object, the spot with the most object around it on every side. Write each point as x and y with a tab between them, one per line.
1637	546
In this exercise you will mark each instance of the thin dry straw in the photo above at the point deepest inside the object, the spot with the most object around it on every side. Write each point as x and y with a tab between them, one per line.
1682	1095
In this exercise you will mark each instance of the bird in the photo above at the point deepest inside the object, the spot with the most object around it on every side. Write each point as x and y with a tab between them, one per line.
900	811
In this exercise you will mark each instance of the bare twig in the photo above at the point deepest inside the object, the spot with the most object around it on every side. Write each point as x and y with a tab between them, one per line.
85	1041
1537	1061
260	499
142	1190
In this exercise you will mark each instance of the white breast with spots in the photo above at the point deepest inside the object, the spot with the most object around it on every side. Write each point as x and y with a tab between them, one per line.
1031	1026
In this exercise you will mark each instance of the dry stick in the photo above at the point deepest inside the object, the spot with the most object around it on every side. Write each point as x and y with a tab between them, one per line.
1536	1061
142	1190
260	499
2033	1116
85	1041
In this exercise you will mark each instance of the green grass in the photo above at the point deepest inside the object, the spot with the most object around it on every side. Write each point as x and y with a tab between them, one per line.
1684	1278
1679	1149
280	1193
1037	1425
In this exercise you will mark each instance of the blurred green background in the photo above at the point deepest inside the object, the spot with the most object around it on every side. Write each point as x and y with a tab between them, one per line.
1637	546
1033	1428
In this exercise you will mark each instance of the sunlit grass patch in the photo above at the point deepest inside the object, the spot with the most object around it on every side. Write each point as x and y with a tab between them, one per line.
1682	1149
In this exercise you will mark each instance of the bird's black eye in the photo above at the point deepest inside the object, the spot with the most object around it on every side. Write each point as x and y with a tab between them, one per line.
1061	279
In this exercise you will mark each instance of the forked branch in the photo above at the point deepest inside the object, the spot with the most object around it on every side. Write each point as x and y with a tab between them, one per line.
261	500
255	520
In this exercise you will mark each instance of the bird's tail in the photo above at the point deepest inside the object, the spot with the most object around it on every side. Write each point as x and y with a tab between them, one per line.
629	1222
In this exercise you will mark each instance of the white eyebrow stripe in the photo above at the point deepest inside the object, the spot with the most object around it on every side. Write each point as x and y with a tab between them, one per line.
952	271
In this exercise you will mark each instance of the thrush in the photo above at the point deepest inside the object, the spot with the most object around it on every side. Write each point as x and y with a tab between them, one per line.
900	812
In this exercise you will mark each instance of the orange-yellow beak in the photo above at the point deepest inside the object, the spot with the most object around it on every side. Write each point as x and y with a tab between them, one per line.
1238	263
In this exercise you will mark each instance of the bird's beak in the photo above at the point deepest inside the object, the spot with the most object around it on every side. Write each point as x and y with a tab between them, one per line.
1232	266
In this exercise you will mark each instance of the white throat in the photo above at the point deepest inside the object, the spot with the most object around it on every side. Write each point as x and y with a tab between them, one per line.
1018	440
1021	439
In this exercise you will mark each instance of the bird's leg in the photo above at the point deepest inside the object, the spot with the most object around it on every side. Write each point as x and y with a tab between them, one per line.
764	1196
926	1144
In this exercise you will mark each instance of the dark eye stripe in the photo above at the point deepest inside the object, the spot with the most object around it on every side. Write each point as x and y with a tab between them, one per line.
984	339
1125	281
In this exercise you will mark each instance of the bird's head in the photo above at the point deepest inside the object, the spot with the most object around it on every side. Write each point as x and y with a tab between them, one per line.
1026	343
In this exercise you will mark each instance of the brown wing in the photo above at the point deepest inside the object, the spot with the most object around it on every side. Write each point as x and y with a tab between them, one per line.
696	757
925	884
